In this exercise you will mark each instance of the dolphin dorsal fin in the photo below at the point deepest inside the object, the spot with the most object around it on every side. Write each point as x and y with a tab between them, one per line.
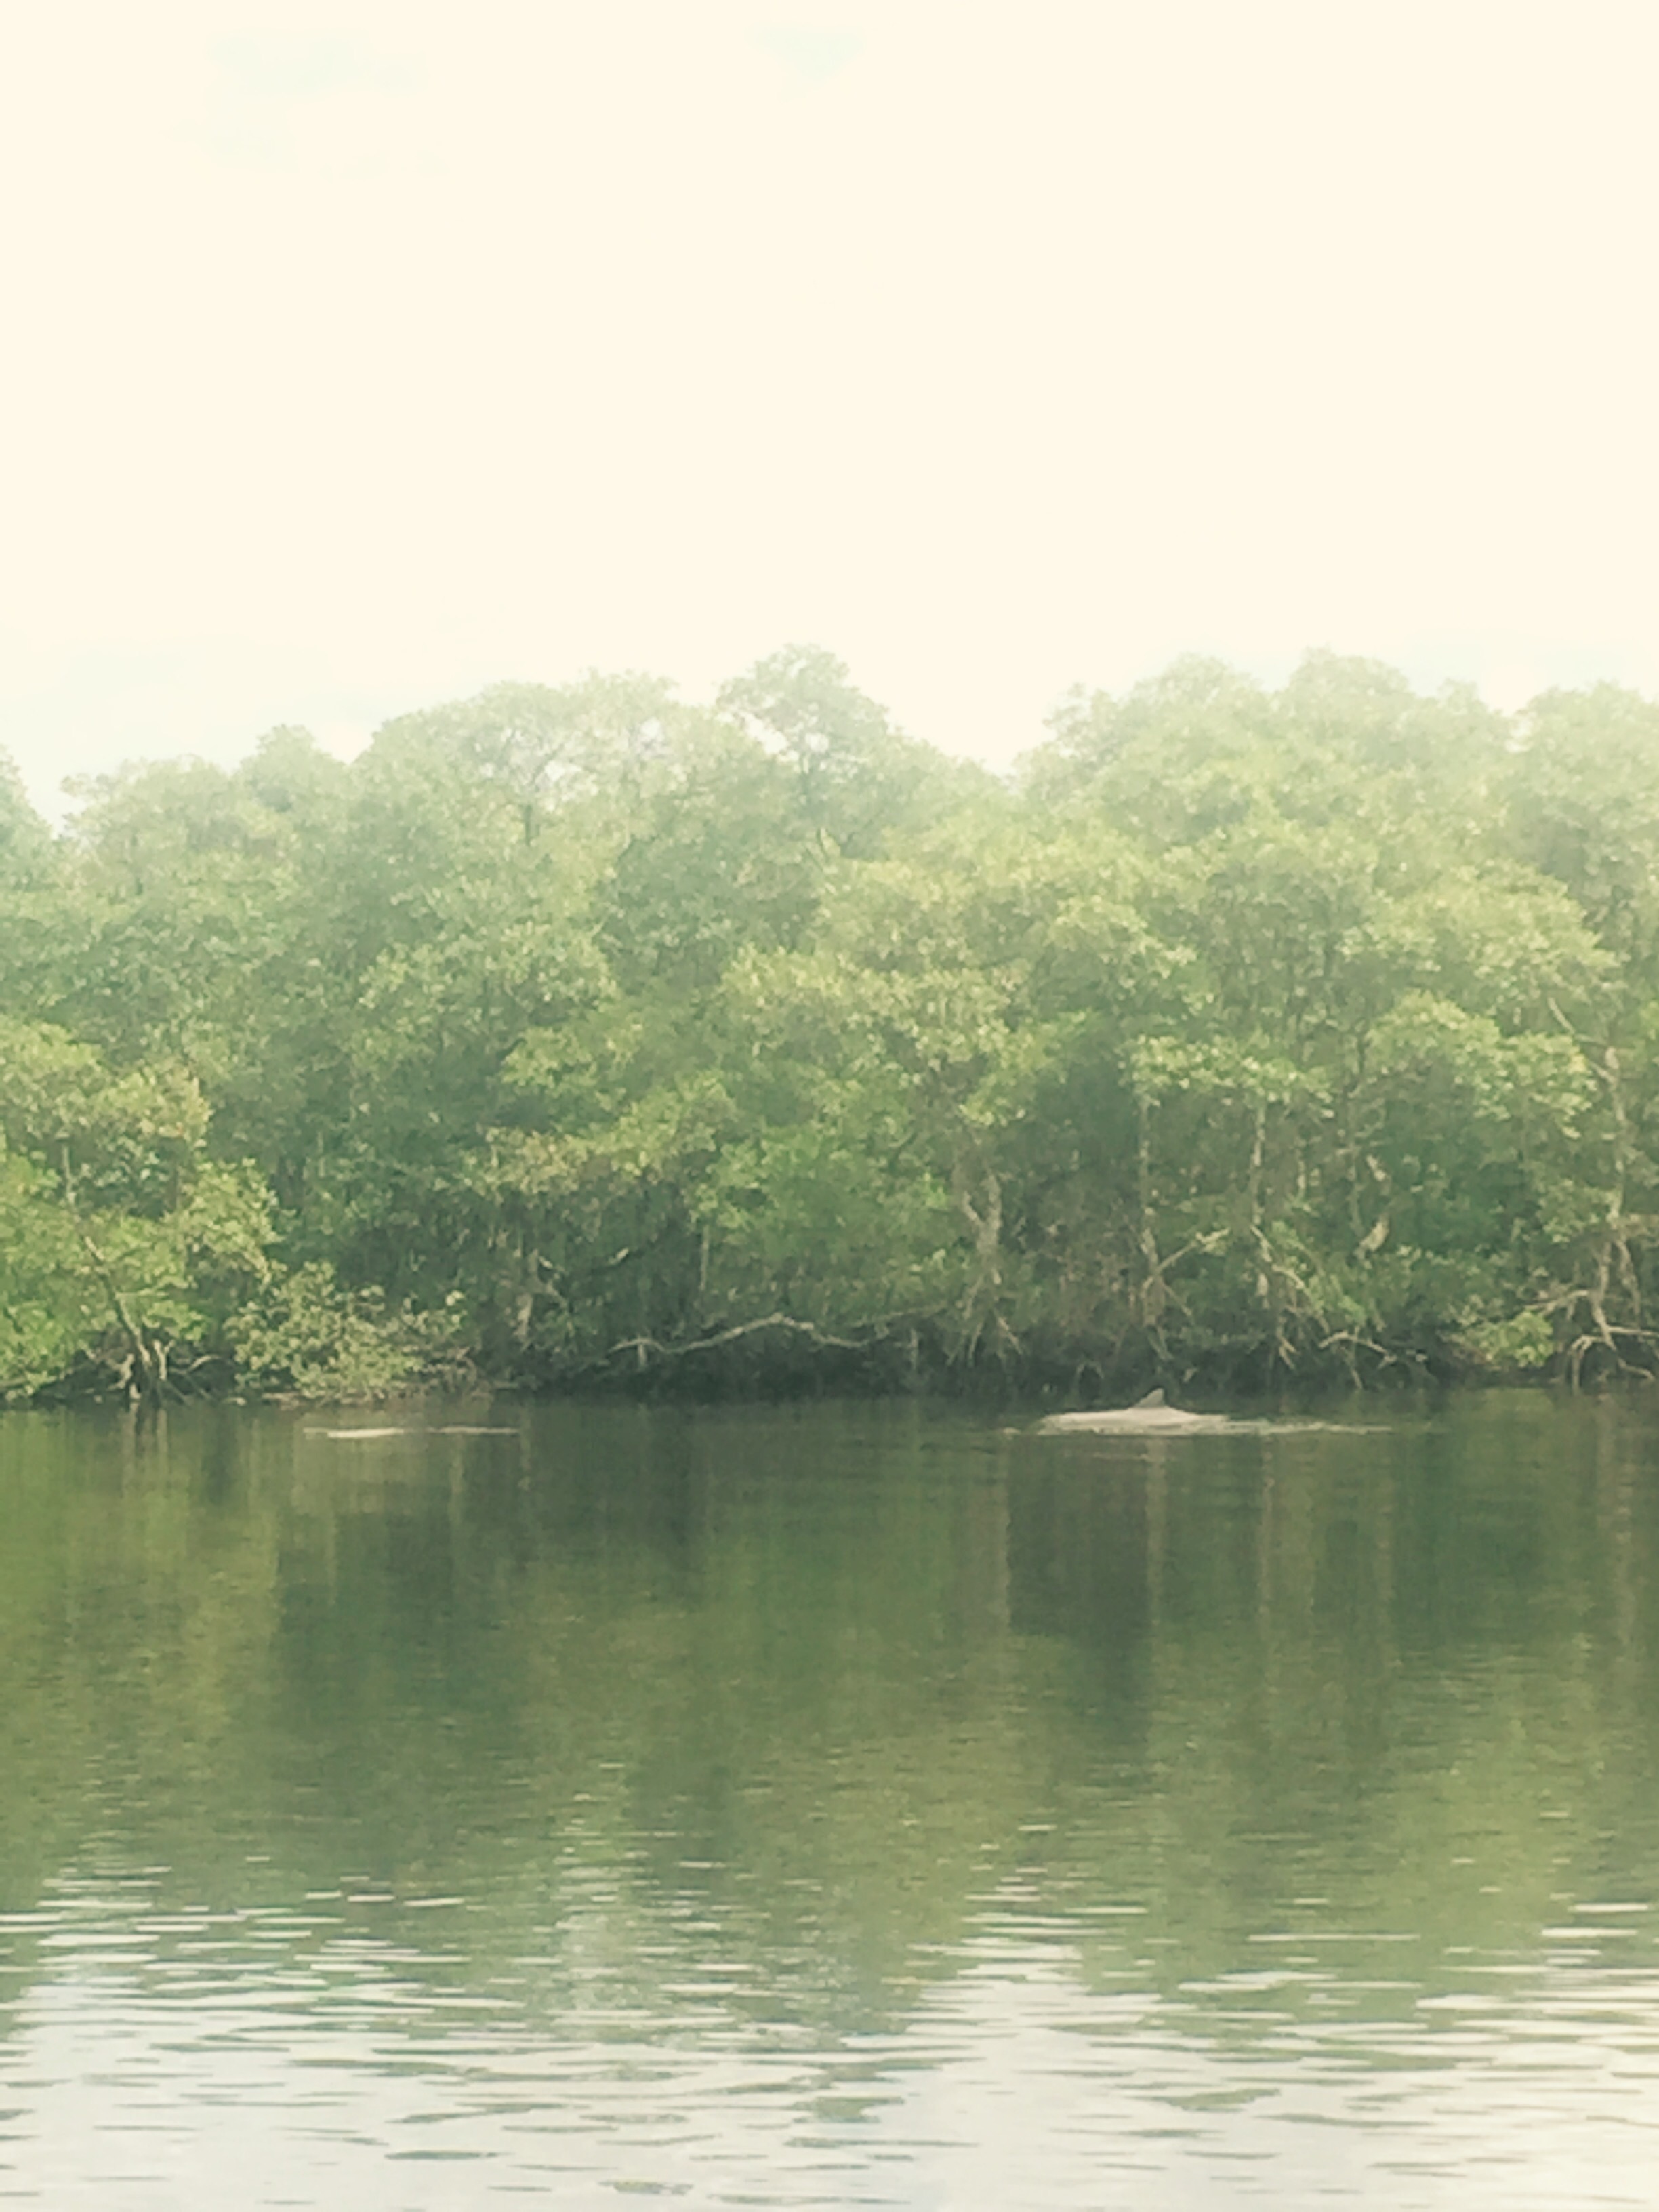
1145	1405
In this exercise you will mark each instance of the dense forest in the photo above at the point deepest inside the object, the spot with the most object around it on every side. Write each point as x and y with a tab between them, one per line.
580	1038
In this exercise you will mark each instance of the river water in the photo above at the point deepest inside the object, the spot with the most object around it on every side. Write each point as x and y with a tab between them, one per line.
833	1806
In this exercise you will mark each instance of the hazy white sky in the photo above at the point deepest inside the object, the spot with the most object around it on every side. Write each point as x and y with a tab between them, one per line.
360	352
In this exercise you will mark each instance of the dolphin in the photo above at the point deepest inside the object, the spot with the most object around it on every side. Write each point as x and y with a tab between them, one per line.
1147	1416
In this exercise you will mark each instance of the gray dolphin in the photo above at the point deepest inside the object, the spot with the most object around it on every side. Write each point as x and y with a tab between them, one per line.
1148	1417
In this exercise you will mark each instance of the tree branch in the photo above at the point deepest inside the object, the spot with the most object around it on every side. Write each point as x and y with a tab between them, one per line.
644	1347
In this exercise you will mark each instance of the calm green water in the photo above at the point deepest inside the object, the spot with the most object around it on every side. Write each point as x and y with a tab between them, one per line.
831	1807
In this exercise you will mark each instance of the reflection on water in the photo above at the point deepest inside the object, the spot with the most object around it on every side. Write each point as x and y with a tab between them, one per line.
830	1807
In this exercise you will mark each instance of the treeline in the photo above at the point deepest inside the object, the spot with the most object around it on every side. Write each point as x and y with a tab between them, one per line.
579	1036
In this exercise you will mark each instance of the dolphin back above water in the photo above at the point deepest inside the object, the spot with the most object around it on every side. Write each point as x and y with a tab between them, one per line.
1151	1417
1148	1417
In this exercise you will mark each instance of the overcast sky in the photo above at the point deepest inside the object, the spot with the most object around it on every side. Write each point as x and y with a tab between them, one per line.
358	353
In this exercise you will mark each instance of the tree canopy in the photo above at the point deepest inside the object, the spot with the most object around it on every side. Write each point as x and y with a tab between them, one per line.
579	1035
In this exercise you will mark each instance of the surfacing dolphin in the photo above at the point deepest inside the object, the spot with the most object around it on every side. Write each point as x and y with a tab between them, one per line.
1151	1417
1147	1416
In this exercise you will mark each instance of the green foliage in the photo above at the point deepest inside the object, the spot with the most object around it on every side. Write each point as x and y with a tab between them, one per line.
581	1032
121	1244
24	840
303	1335
44	1314
856	778
1524	1341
